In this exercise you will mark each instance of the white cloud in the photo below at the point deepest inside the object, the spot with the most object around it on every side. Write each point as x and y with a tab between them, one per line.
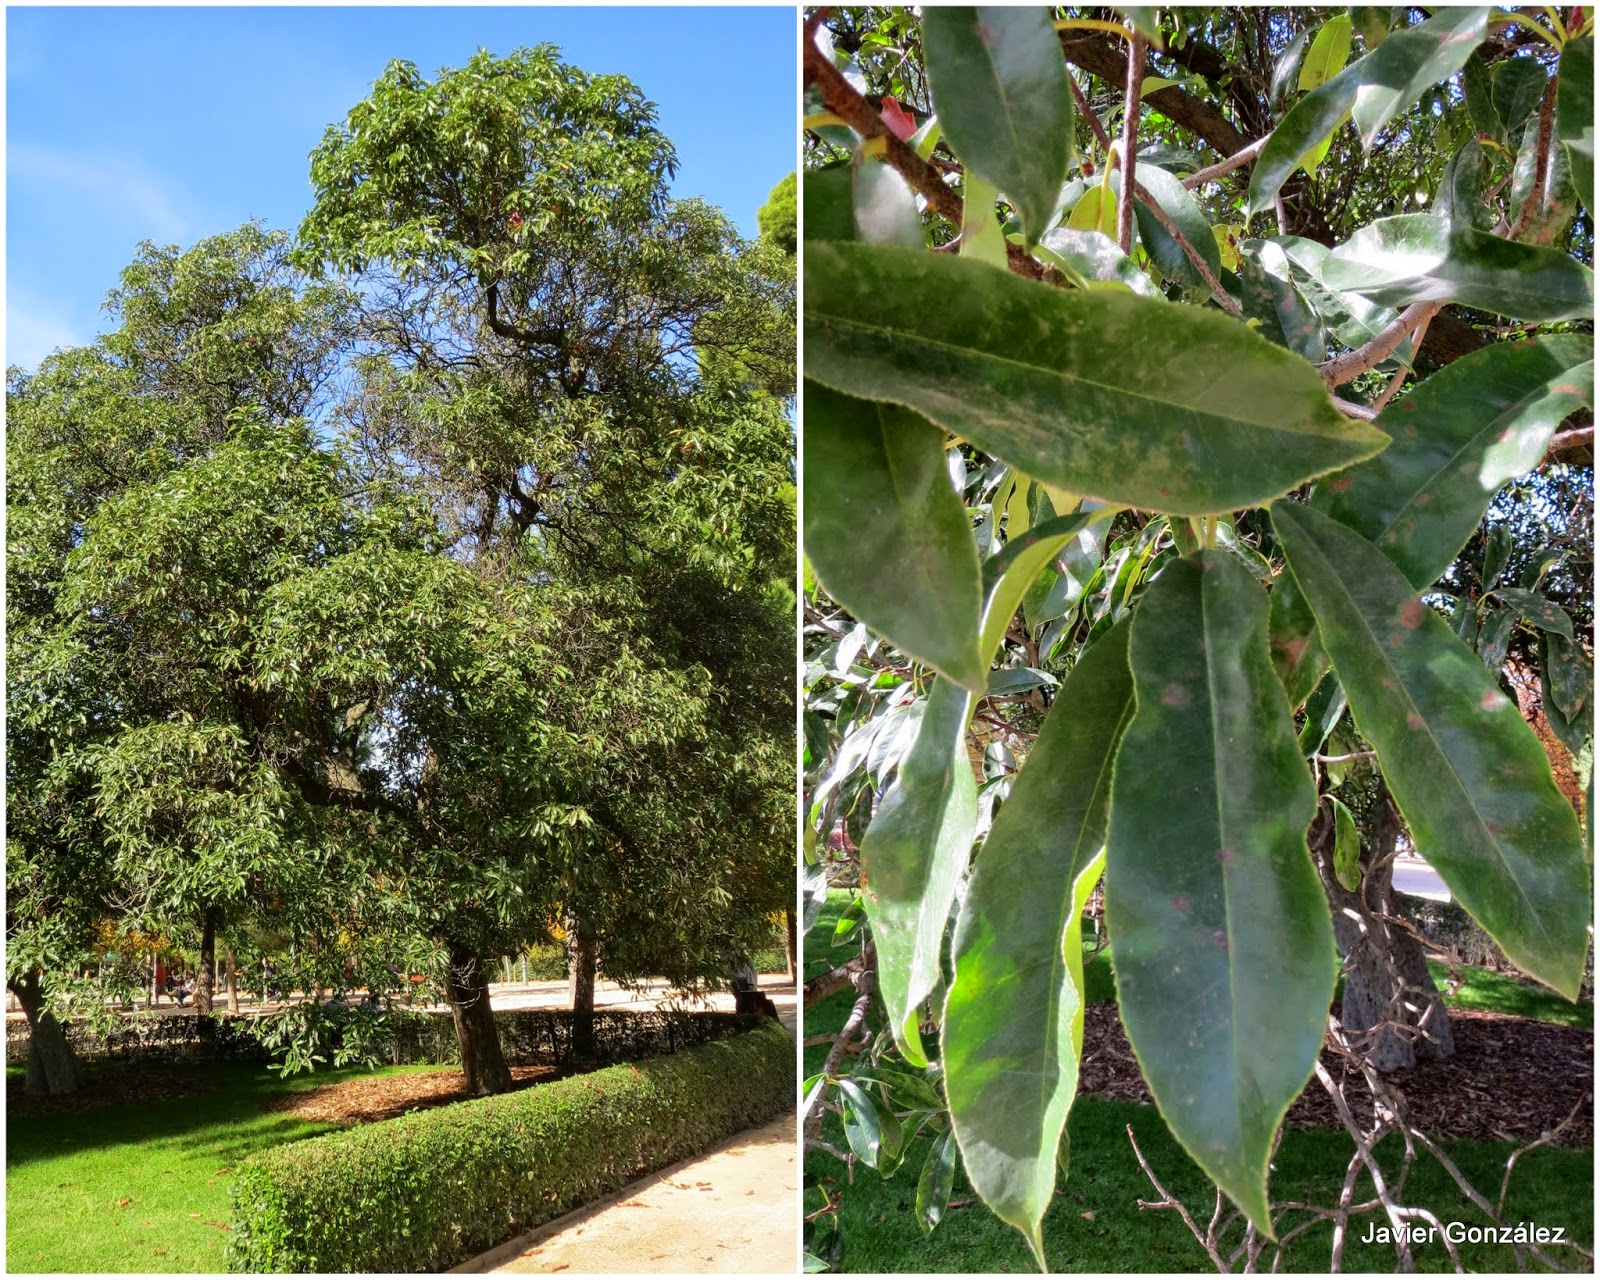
34	330
110	181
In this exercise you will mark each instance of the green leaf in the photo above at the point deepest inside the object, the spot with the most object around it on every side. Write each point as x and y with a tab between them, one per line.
1494	638
1574	123
1459	199
1468	774
871	1131
1094	256
999	86
1418	257
1220	937
1477	89
1567	674
1324	709
1268	293
1496	553
1011	1065
884	207
1372	23
981	237
1542	613
1374	89
1096	210
827	197
1287	68
1515	87
913	856
1179	205
1328	53
1548	208
1457	438
887	535
938	1176
1040	377
1346	846
1008	576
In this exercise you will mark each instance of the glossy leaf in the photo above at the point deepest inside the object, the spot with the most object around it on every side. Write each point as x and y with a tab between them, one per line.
913	856
1457	438
1459	199
1418	257
1543	212
1010	1056
1494	637
1096	210
933	1186
1328	53
1542	613
1346	846
1286	70
872	1131
1374	89
1094	256
1000	88
1210	418
1567	672
1515	87
1468	774
1179	205
1267	292
1496	553
1574	123
1220	937
1477	88
884	207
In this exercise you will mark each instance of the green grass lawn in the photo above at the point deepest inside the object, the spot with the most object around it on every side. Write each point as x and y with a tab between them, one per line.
142	1186
1095	1223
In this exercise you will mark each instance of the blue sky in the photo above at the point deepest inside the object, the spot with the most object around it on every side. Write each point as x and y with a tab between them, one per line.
126	124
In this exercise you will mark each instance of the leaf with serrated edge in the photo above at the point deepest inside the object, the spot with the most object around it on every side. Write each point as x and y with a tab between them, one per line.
1458	437
1468	774
1000	89
887	535
1220	937
1210	418
1010	1055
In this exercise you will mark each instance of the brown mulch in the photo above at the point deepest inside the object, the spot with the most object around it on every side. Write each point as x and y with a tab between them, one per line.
361	1100
1510	1079
100	1089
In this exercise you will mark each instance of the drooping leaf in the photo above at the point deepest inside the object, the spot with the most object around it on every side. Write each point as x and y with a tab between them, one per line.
1374	89
1040	377
1468	774
1297	655
1179	205
1459	199
1494	637
1095	256
1286	70
1268	293
1542	211
981	238
1574	123
1328	53
1011	1065
999	86
1220	937
1477	88
938	1176
1515	87
1346	846
1567	673
871	1129
1542	613
1496	553
884	207
913	857
1418	257
885	532
1457	438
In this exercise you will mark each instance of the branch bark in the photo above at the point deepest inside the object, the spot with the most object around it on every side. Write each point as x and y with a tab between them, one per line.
1341	369
825	984
1137	48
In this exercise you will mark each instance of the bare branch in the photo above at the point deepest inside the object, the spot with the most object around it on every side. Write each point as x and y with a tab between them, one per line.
1341	369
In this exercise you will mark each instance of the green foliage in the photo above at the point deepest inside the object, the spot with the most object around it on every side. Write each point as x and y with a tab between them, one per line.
779	217
430	1190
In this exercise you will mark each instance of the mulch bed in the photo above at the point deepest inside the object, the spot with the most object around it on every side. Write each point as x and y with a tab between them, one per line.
364	1099
1510	1079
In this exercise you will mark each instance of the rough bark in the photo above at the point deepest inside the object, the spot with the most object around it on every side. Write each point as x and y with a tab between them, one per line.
791	945
483	1063
585	955
1391	1008
52	1066
205	981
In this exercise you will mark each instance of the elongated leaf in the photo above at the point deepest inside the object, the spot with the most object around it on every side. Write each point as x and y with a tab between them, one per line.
913	856
1220	937
1477	88
1008	576
872	1131
1328	53
1268	293
1000	89
938	1176
1374	89
1286	70
1418	257
1459	199
1515	87
1468	774
887	535
1567	674
1544	614
1210	417
1094	256
1549	208
981	238
1494	638
1458	437
1352	319
1179	205
884	207
1574	124
1346	846
1496	553
1011	1065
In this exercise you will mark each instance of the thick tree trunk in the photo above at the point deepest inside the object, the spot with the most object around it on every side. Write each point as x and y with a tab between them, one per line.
791	948
206	979
1391	1009
585	957
233	983
52	1066
482	1061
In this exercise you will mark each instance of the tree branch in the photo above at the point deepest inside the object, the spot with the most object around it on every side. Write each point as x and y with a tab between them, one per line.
1130	139
1541	161
1237	160
1341	369
824	985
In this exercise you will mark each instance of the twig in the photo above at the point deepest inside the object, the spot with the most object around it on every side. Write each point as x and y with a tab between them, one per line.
1235	161
825	984
1541	161
1169	1201
1087	112
1137	47
1223	297
858	1016
1417	335
1341	369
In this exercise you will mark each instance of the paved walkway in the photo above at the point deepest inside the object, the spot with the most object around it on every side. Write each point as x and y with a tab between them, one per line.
733	1210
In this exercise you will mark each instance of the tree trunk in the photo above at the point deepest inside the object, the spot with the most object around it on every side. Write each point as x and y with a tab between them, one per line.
482	1061
1391	1009
206	979
585	955
52	1066
233	983
791	949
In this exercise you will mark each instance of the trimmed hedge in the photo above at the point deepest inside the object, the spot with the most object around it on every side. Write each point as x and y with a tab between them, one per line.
435	1188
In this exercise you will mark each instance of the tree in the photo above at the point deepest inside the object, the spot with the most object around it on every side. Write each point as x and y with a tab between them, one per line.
1182	452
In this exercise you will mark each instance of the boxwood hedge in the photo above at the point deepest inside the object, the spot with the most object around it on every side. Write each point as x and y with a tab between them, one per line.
434	1188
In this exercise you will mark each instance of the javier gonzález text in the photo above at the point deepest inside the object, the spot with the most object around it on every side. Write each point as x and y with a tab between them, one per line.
1463	1233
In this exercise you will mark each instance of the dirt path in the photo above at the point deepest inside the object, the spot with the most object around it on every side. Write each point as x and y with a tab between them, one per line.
732	1210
